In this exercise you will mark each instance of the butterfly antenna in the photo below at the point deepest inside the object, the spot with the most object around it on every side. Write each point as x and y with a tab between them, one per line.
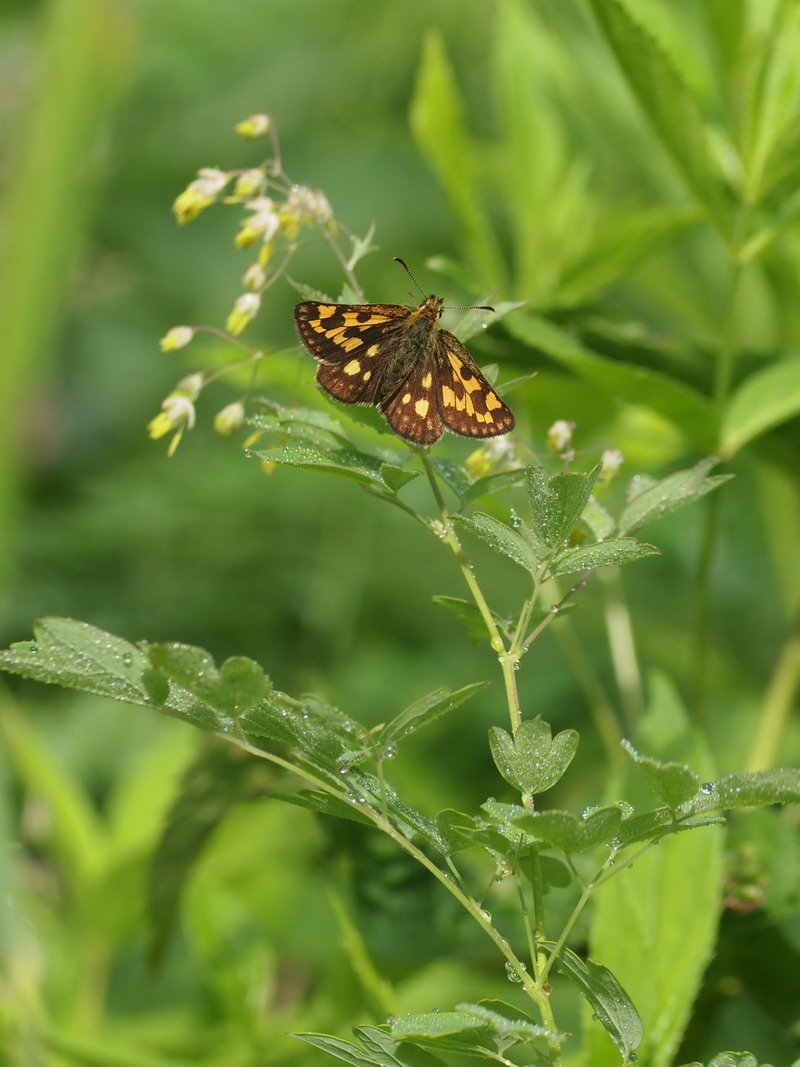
407	269
468	307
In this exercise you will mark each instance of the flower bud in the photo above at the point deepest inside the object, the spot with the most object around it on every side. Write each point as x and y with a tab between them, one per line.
610	462
230	418
199	194
177	337
254	277
254	126
249	183
244	311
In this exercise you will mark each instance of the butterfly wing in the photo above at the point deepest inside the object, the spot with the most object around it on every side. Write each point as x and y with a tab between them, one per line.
413	410
469	405
348	340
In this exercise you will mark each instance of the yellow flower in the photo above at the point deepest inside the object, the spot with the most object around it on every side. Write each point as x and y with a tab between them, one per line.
177	337
177	414
262	223
254	277
230	418
249	182
494	455
254	126
199	194
244	311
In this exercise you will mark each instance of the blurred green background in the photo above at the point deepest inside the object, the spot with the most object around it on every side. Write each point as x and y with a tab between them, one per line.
569	199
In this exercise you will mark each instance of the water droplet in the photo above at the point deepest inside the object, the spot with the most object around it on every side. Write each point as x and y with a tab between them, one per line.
487	915
248	453
127	659
512	972
390	752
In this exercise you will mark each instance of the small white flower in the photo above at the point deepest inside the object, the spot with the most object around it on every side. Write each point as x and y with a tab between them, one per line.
610	462
189	386
179	409
559	436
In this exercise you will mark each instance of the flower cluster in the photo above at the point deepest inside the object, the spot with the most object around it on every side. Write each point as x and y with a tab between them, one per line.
276	210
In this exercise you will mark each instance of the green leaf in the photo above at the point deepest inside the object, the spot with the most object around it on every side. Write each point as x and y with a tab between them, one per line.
318	428
370	1051
476	320
734	1059
753	789
346	462
673	783
599	522
532	761
654	826
467	613
492	483
458	831
508	1021
616	249
236	688
423	712
669	107
440	130
567	832
325	804
76	655
502	538
609	1002
213	783
667	904
320	732
453	475
557	503
437	1024
75	833
682	405
770	107
767	398
604	554
672	493
380	1044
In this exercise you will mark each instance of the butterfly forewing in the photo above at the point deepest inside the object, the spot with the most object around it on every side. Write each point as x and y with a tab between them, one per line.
399	359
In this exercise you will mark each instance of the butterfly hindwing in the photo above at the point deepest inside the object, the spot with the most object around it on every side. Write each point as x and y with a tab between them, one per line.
469	405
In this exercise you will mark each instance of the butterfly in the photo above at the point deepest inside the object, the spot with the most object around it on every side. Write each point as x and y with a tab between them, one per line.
400	360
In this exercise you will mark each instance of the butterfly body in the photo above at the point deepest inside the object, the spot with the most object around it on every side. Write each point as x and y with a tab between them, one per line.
400	360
